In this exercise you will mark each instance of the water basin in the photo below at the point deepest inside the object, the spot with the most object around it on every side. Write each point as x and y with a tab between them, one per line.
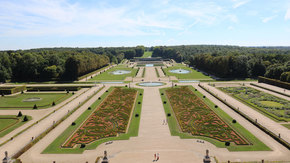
188	81
151	84
121	72
179	71
116	82
149	65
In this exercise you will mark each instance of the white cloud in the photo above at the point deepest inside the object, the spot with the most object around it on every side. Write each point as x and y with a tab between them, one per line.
266	19
287	15
239	3
230	28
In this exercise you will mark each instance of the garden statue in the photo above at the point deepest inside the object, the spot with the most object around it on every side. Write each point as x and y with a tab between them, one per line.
105	159
6	158
206	157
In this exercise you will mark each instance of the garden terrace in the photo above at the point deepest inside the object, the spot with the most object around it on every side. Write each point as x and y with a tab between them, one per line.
25	100
110	119
274	107
196	118
56	88
10	122
193	74
108	75
11	90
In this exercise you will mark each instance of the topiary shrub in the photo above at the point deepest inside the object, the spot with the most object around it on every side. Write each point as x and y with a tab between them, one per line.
234	121
126	85
99	98
25	119
67	91
53	103
169	114
162	94
3	95
83	145
164	102
203	96
73	123
195	89
140	94
35	106
89	108
227	143
73	93
19	114
107	91
136	115
22	92
216	106
139	102
175	85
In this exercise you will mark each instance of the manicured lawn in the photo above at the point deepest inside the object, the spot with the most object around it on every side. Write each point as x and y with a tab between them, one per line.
10	122
147	54
193	116
274	107
193	74
286	125
108	75
21	101
112	122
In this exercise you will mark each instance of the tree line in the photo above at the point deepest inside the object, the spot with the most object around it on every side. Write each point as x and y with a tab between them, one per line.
232	61
47	64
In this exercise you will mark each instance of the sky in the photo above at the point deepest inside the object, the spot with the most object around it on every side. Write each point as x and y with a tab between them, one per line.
26	24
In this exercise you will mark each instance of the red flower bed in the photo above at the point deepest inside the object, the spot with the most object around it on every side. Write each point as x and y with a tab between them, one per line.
109	119
195	117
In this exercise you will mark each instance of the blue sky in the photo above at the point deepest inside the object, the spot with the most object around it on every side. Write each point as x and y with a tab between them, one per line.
28	24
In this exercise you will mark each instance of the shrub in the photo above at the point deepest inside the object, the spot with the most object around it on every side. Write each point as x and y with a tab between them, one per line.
19	114
35	106
136	115
126	85
107	91
227	143
83	145
203	96
216	106
89	108
140	94
234	121
3	95
162	94
164	102
22	92
175	85
73	123
139	102
67	91
195	89
99	98
73	93
53	103
25	119
169	114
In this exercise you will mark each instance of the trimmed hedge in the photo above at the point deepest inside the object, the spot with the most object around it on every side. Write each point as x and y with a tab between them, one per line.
274	82
11	90
284	94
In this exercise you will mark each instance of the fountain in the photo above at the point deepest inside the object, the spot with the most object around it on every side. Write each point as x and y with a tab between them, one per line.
179	71
121	72
151	84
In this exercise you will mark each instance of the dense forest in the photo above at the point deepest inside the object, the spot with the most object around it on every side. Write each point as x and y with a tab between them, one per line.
232	61
59	63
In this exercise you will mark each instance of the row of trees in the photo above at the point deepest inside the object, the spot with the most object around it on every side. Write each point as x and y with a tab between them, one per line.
232	61
59	63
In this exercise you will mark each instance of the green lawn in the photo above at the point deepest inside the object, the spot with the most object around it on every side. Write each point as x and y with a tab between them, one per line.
147	54
193	74
10	122
256	144
286	125
108	76
18	101
55	146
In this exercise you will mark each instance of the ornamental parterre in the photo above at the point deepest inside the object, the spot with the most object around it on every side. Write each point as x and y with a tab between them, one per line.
196	118
108	120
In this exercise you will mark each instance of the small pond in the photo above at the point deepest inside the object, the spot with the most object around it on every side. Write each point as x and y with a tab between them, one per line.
150	84
31	99
121	72
179	71
188	81
149	65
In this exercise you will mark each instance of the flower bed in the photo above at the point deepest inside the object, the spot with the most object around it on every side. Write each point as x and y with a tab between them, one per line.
196	118
108	120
